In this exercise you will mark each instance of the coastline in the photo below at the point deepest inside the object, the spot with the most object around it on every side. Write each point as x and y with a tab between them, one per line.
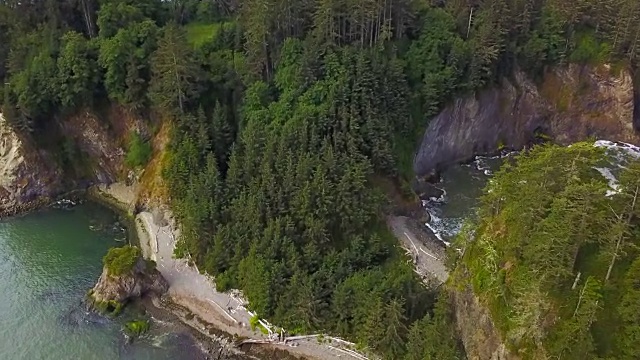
193	298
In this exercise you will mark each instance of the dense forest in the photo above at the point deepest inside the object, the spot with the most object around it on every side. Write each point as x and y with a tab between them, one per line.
284	114
555	256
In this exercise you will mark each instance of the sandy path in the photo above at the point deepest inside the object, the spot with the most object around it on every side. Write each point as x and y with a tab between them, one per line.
197	292
186	281
428	259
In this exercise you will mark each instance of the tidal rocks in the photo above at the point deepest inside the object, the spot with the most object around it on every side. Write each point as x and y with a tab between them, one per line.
136	328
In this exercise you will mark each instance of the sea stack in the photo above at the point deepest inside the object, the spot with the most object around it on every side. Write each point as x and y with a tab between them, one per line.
126	276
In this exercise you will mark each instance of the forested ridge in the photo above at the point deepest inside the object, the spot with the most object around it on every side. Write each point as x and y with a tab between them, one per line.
283	113
554	254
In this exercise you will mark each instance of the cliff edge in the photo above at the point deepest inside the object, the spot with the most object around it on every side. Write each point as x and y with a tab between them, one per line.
28	177
572	103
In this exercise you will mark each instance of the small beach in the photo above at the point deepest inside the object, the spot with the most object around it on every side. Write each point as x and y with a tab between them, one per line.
193	297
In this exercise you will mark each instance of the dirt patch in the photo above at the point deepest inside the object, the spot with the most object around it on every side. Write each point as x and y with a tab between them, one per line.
152	182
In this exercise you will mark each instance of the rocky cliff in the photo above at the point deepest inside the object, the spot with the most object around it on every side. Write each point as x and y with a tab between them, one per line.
76	151
572	103
475	326
126	276
98	144
28	177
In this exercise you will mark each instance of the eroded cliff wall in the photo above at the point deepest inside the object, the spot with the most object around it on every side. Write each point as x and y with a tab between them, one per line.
572	103
28	177
479	336
79	150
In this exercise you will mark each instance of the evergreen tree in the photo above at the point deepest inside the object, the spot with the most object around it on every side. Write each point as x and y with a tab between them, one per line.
174	71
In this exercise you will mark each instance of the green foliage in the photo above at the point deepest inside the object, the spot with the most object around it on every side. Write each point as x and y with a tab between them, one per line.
125	59
138	152
283	111
548	242
590	50
438	60
435	337
31	90
287	213
77	70
174	72
136	328
254	322
121	260
199	34
545	45
110	308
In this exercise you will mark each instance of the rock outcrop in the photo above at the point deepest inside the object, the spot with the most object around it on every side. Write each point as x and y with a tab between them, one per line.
100	140
28	177
573	103
479	336
116	288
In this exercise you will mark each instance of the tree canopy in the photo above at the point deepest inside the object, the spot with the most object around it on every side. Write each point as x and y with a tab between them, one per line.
284	113
552	252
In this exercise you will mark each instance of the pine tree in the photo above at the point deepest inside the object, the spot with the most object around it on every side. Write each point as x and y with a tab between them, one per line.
174	71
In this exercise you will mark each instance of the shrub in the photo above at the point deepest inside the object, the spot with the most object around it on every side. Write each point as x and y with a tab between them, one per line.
253	322
590	51
136	327
139	151
121	260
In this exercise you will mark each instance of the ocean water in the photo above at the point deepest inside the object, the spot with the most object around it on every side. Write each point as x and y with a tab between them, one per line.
48	261
463	185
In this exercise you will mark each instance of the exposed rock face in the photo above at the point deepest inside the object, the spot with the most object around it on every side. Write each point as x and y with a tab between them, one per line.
480	338
95	140
28	177
140	281
572	104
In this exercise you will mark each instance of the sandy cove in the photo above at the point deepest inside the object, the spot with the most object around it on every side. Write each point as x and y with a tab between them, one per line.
195	292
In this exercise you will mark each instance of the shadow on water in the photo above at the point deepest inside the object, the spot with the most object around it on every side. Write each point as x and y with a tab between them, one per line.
77	316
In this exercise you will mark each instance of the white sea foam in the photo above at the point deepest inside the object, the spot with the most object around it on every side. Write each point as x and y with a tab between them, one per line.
447	227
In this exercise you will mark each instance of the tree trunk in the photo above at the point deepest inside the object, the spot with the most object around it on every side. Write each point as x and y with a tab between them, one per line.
621	237
470	19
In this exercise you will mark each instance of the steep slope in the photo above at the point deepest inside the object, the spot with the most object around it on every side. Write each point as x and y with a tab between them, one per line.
28	177
573	103
550	268
74	152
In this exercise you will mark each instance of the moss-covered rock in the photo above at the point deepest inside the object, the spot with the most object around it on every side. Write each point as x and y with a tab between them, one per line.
136	327
121	260
125	276
110	307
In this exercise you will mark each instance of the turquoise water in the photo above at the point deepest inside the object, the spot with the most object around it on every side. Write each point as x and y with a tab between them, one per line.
48	261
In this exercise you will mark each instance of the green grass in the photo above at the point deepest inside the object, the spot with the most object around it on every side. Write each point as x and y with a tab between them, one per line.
199	34
139	151
121	260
